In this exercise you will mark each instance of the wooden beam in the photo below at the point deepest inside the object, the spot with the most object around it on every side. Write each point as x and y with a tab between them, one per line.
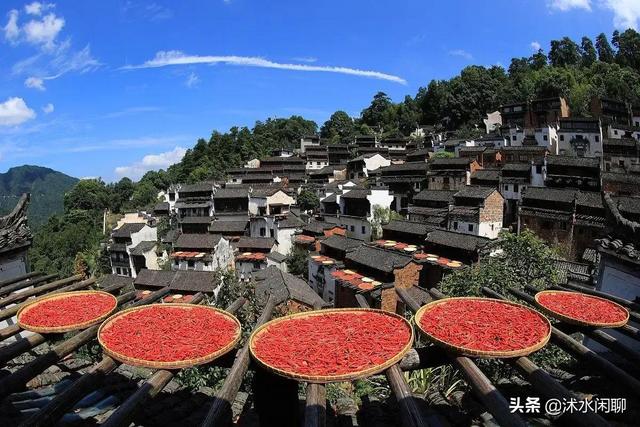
19	279
64	401
564	341
19	378
26	283
488	394
220	410
315	410
13	310
17	297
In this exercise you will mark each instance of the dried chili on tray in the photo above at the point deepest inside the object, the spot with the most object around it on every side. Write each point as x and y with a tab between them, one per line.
483	327
176	335
332	345
66	311
579	308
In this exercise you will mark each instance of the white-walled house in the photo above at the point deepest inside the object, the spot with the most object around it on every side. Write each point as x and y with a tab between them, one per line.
125	238
201	252
269	201
580	137
281	228
362	165
356	208
477	211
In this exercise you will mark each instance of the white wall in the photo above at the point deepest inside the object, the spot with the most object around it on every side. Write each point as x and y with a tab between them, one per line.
318	274
594	146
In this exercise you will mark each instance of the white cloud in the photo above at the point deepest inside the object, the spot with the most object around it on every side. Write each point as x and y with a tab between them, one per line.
626	13
192	81
47	109
151	162
307	59
43	32
36	8
174	57
565	5
14	111
34	83
11	30
461	53
535	46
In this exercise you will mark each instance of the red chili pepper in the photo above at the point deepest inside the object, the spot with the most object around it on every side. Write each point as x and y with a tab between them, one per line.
484	325
169	334
582	307
66	311
332	343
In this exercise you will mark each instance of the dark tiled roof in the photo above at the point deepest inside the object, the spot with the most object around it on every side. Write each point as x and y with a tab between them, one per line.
378	259
628	205
333	198
276	256
125	230
161	207
486	175
409	227
256	242
196	220
263	192
620	177
196	188
590	162
475	192
401	167
228	226
566	269
356	194
143	247
436	195
628	250
517	167
549	194
186	205
231	193
197	241
181	281
114	279
283	286
14	230
341	243
457	240
590	199
318	227
453	161
291	221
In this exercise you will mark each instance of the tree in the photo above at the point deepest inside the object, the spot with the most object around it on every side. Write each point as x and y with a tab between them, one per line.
407	115
144	195
564	53
538	60
297	262
308	200
589	55
381	112
339	128
628	44
87	194
382	215
122	192
605	52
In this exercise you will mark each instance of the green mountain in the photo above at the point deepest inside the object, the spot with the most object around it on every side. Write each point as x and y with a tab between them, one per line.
47	188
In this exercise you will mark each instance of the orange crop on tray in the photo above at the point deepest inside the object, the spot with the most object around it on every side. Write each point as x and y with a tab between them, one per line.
583	307
66	311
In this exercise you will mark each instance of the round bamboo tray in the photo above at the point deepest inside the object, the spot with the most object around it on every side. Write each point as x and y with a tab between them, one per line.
574	321
65	328
179	364
323	379
471	352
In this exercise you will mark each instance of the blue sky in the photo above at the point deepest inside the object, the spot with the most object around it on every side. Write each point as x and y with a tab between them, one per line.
118	87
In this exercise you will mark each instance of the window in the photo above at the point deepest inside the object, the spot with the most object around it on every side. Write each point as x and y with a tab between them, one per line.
364	230
621	163
272	232
513	137
515	187
615	132
118	270
206	263
637	124
176	262
545	137
561	137
455	225
263	231
506	187
352	228
172	197
563	225
597	138
538	169
191	263
471	227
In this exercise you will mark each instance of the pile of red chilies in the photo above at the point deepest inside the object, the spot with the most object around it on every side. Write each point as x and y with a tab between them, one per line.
484	325
332	343
67	311
583	307
169	334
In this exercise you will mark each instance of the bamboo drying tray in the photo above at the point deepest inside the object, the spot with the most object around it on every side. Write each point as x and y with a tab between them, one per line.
66	328
574	321
323	379
471	352
179	364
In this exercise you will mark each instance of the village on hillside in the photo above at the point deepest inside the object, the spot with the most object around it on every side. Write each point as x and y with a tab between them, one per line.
387	223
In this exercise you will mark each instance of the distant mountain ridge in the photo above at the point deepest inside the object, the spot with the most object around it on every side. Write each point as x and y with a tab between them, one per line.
47	188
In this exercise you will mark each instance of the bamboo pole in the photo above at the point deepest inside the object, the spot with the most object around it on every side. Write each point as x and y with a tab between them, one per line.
13	310
488	394
315	411
12	330
19	279
12	299
65	400
546	385
585	354
26	283
19	378
156	383
220	410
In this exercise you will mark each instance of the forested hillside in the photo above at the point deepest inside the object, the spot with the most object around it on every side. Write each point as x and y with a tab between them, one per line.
47	188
